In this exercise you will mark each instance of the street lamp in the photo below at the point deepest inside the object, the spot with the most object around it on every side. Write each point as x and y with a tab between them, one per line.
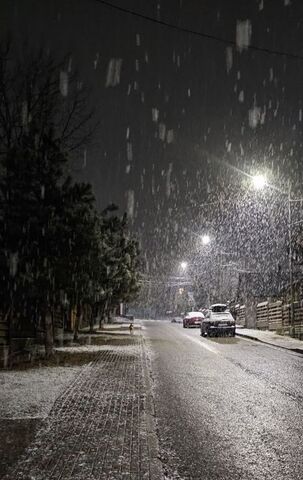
183	265
259	182
205	239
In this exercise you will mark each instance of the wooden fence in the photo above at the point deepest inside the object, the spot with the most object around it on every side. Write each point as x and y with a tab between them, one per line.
239	312
276	317
298	320
262	316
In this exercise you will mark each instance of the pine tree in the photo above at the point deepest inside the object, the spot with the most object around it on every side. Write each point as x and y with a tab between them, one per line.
41	121
119	263
53	244
78	243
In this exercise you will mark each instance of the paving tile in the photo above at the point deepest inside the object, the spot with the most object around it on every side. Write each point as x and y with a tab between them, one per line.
97	428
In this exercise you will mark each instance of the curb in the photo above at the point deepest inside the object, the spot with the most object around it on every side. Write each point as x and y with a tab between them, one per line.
156	471
250	337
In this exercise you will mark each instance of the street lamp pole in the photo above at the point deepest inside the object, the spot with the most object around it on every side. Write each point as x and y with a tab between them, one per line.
259	182
220	276
290	263
221	272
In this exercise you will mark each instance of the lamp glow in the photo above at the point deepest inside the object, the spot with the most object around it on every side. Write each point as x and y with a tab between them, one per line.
205	239
259	182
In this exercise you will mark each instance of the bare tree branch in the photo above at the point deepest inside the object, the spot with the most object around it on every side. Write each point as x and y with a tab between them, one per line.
32	103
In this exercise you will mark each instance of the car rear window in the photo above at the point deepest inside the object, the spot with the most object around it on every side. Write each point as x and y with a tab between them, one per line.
219	308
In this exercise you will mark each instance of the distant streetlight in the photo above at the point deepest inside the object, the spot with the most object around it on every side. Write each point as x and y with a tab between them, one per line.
183	265
259	182
205	239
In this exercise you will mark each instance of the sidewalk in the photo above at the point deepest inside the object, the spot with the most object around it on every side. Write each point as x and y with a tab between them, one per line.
118	328
271	338
102	426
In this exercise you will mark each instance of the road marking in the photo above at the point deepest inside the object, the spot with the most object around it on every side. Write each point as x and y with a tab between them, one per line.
203	344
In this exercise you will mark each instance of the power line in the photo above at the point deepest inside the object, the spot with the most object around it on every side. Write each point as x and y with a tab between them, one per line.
196	32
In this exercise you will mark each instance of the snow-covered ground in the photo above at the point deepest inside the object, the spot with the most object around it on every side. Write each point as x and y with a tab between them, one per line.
129	349
32	393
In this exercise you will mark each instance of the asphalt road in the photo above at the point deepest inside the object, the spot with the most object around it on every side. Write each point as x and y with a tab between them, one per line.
227	409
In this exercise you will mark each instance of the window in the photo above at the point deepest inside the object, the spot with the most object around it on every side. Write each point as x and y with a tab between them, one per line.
219	308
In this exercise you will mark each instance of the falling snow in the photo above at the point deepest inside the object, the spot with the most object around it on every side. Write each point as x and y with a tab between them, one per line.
113	72
254	116
162	131
64	84
129	151
243	34
130	203
229	59
168	180
170	136
155	114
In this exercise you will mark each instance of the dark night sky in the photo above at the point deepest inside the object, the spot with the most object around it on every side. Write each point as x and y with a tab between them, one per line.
185	77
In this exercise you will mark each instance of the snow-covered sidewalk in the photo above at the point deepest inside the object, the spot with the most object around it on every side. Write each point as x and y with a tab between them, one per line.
120	327
101	426
26	398
32	393
271	338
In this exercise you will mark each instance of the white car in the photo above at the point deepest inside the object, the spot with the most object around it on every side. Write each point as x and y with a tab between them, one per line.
193	319
218	321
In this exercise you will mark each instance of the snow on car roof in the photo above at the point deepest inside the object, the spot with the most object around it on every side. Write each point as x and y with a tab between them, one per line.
194	314
218	305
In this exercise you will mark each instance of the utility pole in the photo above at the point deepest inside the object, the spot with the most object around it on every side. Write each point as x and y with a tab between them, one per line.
290	263
219	277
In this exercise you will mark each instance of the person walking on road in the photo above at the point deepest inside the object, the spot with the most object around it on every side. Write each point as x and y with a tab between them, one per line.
131	328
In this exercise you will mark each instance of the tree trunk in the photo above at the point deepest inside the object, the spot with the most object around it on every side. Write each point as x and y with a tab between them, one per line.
77	322
101	310
110	313
102	313
92	319
49	334
69	314
8	318
108	309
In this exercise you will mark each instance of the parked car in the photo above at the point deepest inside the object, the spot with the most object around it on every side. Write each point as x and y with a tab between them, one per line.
218	321
176	319
192	319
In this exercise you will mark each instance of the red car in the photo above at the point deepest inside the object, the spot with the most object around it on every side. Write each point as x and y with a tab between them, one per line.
193	319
